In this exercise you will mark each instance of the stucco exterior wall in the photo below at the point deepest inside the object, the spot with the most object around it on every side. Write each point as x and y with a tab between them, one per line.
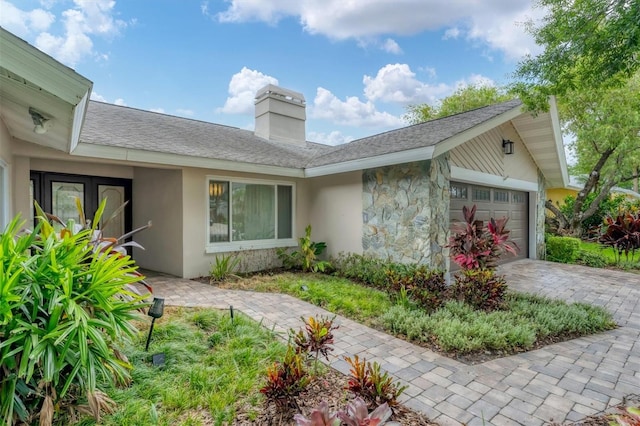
335	212
194	210
157	196
484	154
85	167
6	176
397	212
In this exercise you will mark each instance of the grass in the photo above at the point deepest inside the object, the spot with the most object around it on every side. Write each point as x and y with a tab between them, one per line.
212	365
610	257
338	295
455	327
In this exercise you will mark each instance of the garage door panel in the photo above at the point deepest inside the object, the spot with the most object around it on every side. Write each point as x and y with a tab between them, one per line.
496	203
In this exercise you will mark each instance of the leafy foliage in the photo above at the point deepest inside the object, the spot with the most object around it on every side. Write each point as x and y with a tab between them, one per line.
62	316
475	247
367	381
357	414
286	379
320	416
463	99
629	416
307	258
562	249
587	44
316	337
623	234
223	268
591	259
480	288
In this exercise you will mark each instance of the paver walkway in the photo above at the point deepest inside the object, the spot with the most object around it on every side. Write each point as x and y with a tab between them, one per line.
564	381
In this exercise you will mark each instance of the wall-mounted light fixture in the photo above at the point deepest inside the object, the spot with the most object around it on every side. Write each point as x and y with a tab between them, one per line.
216	189
39	121
507	146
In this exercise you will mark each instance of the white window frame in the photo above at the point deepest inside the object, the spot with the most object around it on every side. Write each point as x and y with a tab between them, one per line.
222	247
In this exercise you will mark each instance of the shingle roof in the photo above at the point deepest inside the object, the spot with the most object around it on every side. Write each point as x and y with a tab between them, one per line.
124	127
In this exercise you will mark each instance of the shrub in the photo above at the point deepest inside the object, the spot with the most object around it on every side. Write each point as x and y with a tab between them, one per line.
562	249
474	246
367	381
481	289
623	234
316	337
594	260
62	316
361	268
307	258
223	268
286	379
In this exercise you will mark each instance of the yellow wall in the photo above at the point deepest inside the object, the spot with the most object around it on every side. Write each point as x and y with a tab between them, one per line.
557	195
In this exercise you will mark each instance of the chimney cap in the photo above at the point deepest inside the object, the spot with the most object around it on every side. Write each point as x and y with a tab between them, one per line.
271	90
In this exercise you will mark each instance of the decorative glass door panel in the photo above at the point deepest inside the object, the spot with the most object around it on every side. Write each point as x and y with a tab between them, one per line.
115	198
63	200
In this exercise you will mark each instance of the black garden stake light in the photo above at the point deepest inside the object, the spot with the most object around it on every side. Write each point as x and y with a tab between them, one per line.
155	311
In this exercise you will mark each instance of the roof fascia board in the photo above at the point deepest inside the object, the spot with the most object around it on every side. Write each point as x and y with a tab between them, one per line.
162	158
21	58
557	135
462	137
401	157
79	113
480	178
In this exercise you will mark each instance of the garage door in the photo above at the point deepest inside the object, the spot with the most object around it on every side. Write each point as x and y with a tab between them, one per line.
497	203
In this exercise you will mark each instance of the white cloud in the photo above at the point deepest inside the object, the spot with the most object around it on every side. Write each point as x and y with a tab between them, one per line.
350	112
97	97
334	138
158	110
120	102
185	112
475	80
397	83
242	90
21	22
86	19
494	23
390	46
451	33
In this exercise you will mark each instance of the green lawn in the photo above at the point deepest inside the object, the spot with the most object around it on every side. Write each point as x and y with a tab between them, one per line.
610	256
212	365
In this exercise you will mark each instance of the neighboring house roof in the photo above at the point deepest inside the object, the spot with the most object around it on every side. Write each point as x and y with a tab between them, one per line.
33	83
576	183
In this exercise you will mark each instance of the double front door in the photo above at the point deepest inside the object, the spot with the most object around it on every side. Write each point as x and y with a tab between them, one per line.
57	193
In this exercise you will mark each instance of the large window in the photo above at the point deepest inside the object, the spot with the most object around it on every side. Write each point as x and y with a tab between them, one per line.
245	214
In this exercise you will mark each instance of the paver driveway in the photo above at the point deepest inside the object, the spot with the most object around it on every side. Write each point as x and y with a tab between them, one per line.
564	381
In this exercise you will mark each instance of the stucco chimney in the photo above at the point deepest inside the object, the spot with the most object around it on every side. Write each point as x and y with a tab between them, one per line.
280	115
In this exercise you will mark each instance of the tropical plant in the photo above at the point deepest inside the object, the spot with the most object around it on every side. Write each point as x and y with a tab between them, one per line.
368	381
307	258
480	288
475	247
623	234
357	414
286	379
320	416
562	249
316	337
223	268
629	416
62	318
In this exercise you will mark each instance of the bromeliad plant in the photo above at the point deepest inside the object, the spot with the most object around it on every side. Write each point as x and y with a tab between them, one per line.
62	318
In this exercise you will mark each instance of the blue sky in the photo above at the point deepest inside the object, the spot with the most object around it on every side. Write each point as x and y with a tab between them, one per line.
358	63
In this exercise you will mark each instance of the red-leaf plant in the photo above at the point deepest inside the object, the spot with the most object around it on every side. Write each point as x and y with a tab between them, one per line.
474	246
623	234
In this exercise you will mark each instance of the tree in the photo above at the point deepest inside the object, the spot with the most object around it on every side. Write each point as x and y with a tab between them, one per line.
463	99
606	125
587	44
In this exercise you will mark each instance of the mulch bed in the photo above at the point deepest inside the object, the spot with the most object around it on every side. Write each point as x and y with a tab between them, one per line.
328	387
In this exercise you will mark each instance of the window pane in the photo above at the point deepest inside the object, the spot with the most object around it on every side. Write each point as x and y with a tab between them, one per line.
501	196
481	194
285	201
458	192
218	211
518	197
253	212
63	197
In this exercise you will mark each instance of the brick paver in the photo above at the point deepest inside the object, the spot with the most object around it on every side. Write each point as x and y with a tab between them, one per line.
559	382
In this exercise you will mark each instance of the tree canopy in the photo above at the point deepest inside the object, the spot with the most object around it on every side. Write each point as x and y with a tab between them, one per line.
463	99
587	44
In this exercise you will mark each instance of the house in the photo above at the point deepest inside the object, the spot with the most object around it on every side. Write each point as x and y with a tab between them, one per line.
211	189
576	184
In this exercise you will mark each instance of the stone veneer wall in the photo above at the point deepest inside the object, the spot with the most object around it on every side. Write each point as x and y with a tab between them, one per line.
540	217
406	212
